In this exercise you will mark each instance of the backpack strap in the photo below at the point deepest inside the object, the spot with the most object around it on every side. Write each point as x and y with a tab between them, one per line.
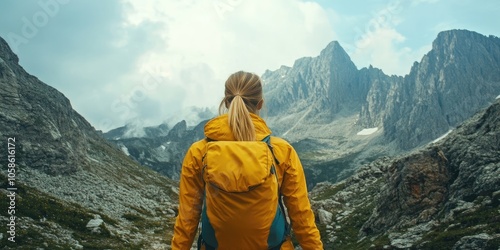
267	140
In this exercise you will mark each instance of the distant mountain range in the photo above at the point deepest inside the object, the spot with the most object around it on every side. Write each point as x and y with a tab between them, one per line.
321	103
459	76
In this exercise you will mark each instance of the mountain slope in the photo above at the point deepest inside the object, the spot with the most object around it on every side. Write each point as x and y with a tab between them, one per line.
443	196
459	76
68	175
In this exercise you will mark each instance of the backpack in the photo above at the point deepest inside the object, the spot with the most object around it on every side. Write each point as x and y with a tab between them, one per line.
242	200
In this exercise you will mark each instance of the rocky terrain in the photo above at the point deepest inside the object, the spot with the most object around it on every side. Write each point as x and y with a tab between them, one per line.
446	195
75	190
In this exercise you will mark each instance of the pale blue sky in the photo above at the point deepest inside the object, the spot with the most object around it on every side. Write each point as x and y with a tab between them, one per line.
121	61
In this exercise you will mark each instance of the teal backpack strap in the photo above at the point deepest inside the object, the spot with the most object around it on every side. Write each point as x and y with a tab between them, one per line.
207	235
267	140
280	227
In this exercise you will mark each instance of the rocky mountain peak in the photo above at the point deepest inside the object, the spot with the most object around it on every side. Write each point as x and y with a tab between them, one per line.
178	130
7	54
55	123
335	52
452	81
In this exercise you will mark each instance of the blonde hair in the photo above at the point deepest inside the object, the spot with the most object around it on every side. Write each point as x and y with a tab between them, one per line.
243	92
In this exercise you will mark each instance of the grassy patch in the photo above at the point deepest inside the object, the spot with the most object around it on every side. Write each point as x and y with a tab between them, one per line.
467	224
347	236
44	208
330	170
133	217
328	193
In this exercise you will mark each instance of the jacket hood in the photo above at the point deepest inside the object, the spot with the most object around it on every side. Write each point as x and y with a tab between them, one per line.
218	128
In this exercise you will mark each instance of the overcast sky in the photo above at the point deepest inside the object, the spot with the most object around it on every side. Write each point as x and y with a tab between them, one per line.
148	62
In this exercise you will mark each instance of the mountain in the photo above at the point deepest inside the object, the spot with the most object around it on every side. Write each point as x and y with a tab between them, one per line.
459	76
324	105
455	79
445	195
72	189
162	152
131	131
306	86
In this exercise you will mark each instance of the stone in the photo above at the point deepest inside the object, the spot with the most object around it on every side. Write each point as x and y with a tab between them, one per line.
477	242
325	217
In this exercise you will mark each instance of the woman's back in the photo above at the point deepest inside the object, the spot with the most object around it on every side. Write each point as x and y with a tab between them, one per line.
243	100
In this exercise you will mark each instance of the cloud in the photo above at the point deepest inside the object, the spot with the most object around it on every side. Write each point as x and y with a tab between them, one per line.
417	2
202	43
123	60
381	45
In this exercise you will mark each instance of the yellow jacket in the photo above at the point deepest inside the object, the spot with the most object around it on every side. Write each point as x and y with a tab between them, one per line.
290	175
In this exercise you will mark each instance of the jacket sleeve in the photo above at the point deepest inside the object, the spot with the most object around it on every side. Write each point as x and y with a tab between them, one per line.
294	190
190	202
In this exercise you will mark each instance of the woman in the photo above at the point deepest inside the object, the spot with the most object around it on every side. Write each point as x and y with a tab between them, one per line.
243	100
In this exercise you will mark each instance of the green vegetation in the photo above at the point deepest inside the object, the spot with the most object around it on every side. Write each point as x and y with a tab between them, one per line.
133	217
52	218
485	220
46	211
328	193
330	170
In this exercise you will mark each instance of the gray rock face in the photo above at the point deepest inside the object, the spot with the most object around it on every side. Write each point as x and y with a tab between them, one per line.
458	77
66	172
381	98
443	196
55	121
478	242
416	190
457	175
322	86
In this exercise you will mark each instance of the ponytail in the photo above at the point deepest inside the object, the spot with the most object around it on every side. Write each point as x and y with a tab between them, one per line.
242	94
240	120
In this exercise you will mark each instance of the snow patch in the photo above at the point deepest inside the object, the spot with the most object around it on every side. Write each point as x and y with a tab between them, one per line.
367	131
125	150
498	97
162	147
443	136
168	143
